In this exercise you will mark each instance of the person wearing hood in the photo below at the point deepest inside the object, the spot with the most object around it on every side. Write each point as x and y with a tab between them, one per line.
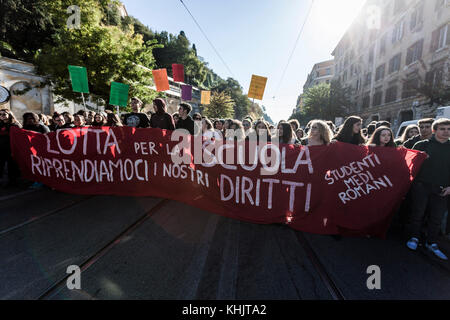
161	119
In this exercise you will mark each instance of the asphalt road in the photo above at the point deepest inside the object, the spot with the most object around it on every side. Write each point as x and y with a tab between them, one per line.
146	248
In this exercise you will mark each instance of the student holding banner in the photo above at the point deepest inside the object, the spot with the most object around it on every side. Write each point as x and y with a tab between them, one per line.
431	188
161	119
7	120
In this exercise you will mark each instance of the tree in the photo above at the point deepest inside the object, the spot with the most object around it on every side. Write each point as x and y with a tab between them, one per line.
325	101
108	53
221	106
24	27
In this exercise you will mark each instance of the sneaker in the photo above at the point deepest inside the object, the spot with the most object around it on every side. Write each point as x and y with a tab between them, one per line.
412	244
438	253
36	185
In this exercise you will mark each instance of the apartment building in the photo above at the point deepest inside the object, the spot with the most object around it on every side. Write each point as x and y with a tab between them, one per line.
391	49
322	72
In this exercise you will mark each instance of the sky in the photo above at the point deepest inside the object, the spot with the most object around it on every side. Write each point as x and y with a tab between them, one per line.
256	37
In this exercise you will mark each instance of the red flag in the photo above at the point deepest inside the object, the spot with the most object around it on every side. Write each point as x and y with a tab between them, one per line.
178	72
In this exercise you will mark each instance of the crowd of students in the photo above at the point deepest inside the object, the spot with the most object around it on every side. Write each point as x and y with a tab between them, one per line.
428	197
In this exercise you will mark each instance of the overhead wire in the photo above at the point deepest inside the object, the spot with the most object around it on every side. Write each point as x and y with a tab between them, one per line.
293	50
204	34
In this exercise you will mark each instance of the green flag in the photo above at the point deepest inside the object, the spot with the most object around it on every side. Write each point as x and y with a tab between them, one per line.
79	78
119	94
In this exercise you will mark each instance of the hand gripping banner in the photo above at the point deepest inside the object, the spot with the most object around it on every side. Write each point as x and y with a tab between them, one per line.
335	189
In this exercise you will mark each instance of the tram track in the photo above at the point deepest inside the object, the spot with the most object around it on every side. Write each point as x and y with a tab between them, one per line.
326	278
44	215
59	285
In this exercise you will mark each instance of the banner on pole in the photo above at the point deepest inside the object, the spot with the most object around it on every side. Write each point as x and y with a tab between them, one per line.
206	97
161	80
186	92
119	94
335	189
178	72
78	76
257	87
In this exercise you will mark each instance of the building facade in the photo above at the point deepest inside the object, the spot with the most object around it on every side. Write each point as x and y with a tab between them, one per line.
322	72
393	48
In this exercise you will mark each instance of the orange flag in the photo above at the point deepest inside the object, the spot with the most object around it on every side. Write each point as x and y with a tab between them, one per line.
206	97
161	80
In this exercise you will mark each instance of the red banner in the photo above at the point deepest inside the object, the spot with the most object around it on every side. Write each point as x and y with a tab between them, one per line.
336	189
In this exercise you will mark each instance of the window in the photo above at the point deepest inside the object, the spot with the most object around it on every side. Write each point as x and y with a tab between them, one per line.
394	63
328	71
368	79
444	39
383	45
377	97
410	88
380	72
371	54
344	79
391	93
366	100
417	17
435	76
397	33
414	52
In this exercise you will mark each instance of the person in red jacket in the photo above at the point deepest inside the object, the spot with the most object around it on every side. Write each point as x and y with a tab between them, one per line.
161	119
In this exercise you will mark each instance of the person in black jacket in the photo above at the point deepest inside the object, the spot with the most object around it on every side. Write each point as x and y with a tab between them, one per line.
161	119
430	188
185	121
425	133
31	122
351	132
7	120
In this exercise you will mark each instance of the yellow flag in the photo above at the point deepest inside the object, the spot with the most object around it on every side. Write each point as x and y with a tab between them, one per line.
257	87
206	97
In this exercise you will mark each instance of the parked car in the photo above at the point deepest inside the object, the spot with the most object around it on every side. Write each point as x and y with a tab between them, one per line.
443	112
403	126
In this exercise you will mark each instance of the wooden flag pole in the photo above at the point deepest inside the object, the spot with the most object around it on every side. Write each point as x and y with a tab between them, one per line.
84	102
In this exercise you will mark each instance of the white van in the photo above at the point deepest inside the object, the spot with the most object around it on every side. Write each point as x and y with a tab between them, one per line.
443	112
403	126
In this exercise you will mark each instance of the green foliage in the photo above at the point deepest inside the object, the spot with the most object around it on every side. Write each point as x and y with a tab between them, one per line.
324	101
108	52
24	27
221	106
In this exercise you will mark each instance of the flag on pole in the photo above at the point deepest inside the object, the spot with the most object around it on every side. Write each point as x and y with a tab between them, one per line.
78	76
161	80
178	72
119	94
257	87
206	97
186	92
